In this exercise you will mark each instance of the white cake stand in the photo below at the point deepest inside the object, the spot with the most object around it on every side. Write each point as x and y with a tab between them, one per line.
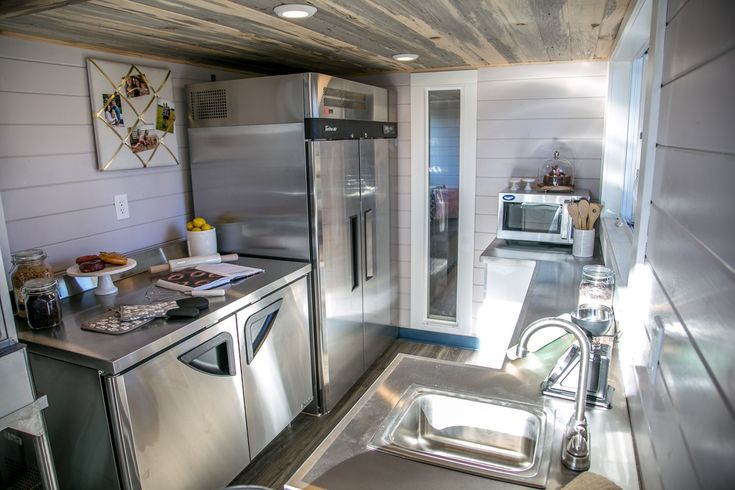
104	279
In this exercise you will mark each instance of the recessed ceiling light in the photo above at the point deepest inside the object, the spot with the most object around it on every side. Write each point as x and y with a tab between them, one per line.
294	11
405	57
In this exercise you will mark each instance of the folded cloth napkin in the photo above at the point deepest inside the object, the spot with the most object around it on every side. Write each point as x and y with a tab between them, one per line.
591	481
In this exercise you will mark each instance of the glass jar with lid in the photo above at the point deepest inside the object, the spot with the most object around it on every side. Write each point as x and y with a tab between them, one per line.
556	172
27	264
597	286
42	304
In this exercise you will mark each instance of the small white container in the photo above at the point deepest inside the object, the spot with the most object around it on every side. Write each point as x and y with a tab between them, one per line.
201	242
584	243
529	184
515	183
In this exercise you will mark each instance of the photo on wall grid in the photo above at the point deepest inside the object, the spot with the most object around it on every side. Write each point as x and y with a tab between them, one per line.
165	116
113	109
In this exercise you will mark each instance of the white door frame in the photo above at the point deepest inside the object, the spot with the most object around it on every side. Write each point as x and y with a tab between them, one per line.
421	84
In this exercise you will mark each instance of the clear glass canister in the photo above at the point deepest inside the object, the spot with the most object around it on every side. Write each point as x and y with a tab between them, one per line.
597	286
42	304
27	264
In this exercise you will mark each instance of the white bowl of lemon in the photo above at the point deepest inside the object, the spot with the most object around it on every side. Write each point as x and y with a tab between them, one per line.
201	237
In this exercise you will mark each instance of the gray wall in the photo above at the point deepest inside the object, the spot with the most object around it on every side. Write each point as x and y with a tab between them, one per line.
53	195
685	418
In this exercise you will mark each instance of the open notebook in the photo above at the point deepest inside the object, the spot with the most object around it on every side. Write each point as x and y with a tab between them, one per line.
206	276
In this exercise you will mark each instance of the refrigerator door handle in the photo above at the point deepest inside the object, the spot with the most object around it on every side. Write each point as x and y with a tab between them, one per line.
369	222
355	250
215	356
258	327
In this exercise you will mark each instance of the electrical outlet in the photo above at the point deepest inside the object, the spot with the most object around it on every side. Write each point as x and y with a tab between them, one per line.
121	206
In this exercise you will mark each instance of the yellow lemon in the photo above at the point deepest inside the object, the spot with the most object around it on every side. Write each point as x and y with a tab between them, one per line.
207	226
189	225
198	222
196	228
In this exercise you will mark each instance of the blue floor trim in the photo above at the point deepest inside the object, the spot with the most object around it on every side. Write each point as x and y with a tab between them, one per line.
439	338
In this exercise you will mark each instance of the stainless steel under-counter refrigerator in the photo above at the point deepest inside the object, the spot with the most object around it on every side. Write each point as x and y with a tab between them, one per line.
297	167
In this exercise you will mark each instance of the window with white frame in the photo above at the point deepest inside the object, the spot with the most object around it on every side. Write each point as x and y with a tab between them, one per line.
443	136
634	140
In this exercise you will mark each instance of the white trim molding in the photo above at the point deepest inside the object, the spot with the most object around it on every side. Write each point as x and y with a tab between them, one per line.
421	84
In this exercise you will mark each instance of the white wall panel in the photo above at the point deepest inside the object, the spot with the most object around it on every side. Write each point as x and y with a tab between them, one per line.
540	108
539	148
701	31
540	128
585	168
543	88
698	109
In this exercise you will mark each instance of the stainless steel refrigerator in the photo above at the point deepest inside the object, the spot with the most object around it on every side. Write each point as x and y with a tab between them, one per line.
297	167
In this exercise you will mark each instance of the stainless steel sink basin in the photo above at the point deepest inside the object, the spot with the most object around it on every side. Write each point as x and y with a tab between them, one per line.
489	437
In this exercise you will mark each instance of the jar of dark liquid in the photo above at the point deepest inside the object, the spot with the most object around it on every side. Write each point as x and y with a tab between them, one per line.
42	305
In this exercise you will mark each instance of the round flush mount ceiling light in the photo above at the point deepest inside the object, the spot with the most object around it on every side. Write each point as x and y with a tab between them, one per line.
405	57
294	11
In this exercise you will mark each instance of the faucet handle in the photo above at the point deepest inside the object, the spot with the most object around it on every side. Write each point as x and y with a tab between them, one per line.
576	447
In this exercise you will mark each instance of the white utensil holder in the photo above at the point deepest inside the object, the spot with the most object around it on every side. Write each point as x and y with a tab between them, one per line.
584	243
201	242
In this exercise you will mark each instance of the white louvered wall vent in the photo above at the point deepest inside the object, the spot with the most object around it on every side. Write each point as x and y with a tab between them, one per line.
209	104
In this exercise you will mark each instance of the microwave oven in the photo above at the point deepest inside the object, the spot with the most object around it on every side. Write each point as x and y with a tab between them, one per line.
537	216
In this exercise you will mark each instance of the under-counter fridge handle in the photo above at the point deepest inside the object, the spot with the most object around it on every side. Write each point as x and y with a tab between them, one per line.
216	356
258	327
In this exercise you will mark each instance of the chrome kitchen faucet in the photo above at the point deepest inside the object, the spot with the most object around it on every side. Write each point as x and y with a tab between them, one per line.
575	453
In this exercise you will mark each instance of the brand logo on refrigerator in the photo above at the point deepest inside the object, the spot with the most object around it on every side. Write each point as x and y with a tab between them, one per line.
509	197
330	128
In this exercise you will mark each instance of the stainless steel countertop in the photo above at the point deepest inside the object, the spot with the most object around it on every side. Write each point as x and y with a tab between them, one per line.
113	354
514	249
554	287
343	460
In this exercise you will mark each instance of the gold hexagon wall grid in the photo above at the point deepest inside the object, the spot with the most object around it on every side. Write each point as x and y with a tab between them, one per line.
133	114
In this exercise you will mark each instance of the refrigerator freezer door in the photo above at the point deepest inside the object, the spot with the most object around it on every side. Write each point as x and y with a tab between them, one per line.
337	217
180	417
276	362
376	289
250	181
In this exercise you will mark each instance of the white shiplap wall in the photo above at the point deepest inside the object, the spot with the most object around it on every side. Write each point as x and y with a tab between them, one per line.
53	195
524	113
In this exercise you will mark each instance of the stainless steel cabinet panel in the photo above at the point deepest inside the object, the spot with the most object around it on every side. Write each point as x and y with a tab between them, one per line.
276	362
179	417
250	181
336	181
77	424
375	196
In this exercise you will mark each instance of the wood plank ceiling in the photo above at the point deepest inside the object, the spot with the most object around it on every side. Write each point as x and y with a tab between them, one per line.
345	36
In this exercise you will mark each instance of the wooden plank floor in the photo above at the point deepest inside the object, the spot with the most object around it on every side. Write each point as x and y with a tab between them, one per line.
275	465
